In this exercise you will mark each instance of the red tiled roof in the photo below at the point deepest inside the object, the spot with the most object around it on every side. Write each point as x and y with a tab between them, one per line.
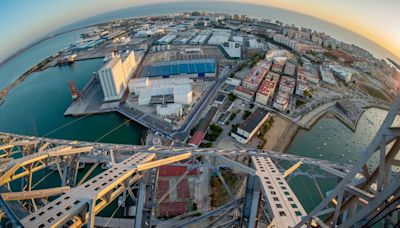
182	189
173	171
162	188
173	208
197	137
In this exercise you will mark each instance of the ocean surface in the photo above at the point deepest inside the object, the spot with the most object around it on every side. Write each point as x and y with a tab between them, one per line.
36	106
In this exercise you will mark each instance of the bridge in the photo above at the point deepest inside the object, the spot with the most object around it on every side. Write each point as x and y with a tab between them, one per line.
365	193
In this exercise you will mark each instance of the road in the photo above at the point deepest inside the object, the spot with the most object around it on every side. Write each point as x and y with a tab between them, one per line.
201	105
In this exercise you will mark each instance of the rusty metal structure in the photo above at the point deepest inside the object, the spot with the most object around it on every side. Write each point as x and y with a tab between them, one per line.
365	193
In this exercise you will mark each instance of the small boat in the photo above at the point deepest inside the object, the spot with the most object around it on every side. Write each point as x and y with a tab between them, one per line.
325	144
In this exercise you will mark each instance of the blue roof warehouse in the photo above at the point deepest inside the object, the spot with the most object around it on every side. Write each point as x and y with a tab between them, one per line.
190	68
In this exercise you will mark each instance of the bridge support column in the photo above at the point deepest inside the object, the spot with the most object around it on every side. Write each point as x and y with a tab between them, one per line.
251	203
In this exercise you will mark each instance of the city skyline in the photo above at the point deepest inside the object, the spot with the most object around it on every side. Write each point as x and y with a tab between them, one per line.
364	19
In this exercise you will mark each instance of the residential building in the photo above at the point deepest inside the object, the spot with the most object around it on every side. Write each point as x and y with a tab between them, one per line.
267	89
253	80
281	101
287	85
244	93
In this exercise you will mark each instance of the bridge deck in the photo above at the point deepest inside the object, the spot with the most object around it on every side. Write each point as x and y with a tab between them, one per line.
76	201
282	202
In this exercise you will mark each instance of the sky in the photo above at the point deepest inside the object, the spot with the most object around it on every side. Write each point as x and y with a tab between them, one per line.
24	21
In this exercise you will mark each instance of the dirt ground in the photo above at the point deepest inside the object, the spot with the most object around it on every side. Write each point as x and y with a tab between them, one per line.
280	134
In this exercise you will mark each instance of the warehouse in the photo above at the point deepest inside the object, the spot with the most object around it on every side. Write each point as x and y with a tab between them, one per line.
147	90
250	126
189	68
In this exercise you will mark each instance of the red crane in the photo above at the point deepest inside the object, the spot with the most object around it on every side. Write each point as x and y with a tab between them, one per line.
75	93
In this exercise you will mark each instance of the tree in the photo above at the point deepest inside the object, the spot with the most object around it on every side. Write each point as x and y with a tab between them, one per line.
246	114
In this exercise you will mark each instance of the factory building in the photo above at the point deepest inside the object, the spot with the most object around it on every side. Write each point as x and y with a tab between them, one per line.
255	44
327	76
128	63
114	75
201	37
250	126
220	36
232	50
267	89
342	73
183	68
162	91
166	39
167	110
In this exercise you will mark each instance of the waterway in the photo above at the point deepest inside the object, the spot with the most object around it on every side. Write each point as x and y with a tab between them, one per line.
36	107
329	139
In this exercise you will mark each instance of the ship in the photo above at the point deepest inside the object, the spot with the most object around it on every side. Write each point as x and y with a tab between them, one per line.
67	60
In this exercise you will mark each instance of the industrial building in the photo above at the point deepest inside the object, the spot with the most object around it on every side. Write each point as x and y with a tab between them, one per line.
267	89
162	91
166	39
201	37
114	75
232	50
220	36
255	44
250	126
201	131
342	73
327	76
185	68
253	80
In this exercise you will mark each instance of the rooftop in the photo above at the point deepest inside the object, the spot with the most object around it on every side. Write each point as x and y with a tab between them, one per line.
256	75
253	120
177	67
268	85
